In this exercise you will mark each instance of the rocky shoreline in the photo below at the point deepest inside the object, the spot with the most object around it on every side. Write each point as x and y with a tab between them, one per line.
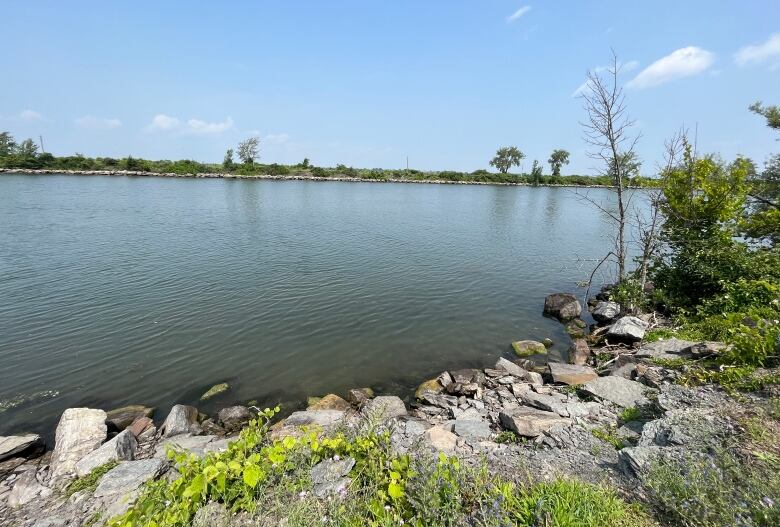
289	177
595	418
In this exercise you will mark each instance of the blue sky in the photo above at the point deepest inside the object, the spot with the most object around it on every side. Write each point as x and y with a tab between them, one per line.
368	83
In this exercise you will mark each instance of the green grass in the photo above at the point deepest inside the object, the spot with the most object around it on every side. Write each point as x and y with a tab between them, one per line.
609	435
90	481
507	436
631	414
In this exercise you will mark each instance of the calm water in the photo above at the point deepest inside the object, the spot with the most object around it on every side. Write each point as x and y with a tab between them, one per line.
118	290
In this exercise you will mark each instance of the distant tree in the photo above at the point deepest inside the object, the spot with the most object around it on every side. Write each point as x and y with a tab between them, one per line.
27	149
7	144
506	158
305	163
228	162
536	173
770	113
558	158
249	150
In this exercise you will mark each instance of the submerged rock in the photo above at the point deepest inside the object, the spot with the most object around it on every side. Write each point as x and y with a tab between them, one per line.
79	432
628	328
524	348
28	445
215	390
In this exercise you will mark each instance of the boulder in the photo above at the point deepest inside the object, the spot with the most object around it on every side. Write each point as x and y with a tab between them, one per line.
234	418
179	421
79	432
27	489
511	368
359	396
431	385
618	390
385	407
440	439
628	328
140	426
524	348
197	445
571	374
666	349
471	429
468	375
545	402
579	351
120	418
562	306
534	378
212	515
28	445
120	448
328	477
606	311
530	422
322	418
119	487
445	379
215	390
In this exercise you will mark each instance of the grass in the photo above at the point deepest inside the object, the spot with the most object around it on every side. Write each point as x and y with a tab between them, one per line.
90	481
609	435
507	436
631	413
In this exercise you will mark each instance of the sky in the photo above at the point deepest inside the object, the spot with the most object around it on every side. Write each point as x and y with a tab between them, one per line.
368	83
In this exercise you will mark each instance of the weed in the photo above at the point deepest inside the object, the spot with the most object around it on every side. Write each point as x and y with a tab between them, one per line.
90	481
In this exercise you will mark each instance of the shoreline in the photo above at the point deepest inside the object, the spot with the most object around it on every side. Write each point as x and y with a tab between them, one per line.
289	177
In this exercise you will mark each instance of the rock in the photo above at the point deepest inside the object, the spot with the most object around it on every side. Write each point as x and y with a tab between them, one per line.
606	311
666	349
359	396
534	378
215	390
8	466
328	476
524	348
234	418
197	445
635	461
548	343
622	392
571	374
431	385
579	351
441	439
323	418
79	432
562	306
628	328
118	488
54	521
459	388
26	489
576	328
179	420
471	429
120	418
467	376
120	448
626	371
416	427
28	445
707	349
510	367
212	515
545	402
445	379
384	407
140	426
530	422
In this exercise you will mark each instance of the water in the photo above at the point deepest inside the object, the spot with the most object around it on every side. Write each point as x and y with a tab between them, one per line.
120	290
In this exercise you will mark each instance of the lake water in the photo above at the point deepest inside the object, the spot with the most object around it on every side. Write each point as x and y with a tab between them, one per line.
121	290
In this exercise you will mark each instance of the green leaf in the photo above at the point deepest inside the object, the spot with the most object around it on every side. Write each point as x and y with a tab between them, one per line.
252	475
395	490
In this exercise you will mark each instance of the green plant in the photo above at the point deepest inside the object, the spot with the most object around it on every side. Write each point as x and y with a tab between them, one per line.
90	481
672	364
609	435
507	436
631	414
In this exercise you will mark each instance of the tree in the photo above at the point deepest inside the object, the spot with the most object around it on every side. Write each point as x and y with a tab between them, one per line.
770	113
608	132
536	173
558	158
506	158
305	163
249	150
27	149
228	162
7	144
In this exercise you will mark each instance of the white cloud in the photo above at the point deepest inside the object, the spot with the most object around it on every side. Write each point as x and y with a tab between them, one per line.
680	63
196	126
276	139
164	122
517	14
97	123
755	54
30	115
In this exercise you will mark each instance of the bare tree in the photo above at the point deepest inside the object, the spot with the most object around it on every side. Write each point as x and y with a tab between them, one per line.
607	131
248	150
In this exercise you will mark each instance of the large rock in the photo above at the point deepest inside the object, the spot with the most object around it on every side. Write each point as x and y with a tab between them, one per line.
119	487
328	477
234	418
524	348
385	407
79	432
579	351
26	489
322	418
120	448
618	390
431	385
666	349
545	402
471	429
330	402
511	368
197	445
441	439
562	306
530	422
359	396
179	420
28	445
121	418
606	311
628	328
571	374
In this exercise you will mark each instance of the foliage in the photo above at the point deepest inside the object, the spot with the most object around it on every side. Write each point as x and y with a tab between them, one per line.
631	413
507	436
628	293
609	435
507	157
732	378
228	162
90	481
248	150
558	158
7	144
536	173
770	113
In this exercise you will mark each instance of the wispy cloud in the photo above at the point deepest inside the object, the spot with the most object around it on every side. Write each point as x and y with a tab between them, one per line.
517	14
756	54
166	123
631	65
276	139
30	115
684	62
97	123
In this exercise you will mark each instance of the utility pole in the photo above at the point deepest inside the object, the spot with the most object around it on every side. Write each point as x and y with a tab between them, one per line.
407	162
41	139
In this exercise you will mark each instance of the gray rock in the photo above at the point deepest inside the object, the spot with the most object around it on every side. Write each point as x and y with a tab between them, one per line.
579	351
234	418
26	489
445	379
20	446
416	427
534	378
190	443
179	421
471	430
545	402
626	371
440	439
120	448
571	374
606	311
385	407
323	418
212	515
467	376
511	368
121	418
55	521
119	487
666	349
636	461
618	390
562	306
328	476
628	328
530	422
79	432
